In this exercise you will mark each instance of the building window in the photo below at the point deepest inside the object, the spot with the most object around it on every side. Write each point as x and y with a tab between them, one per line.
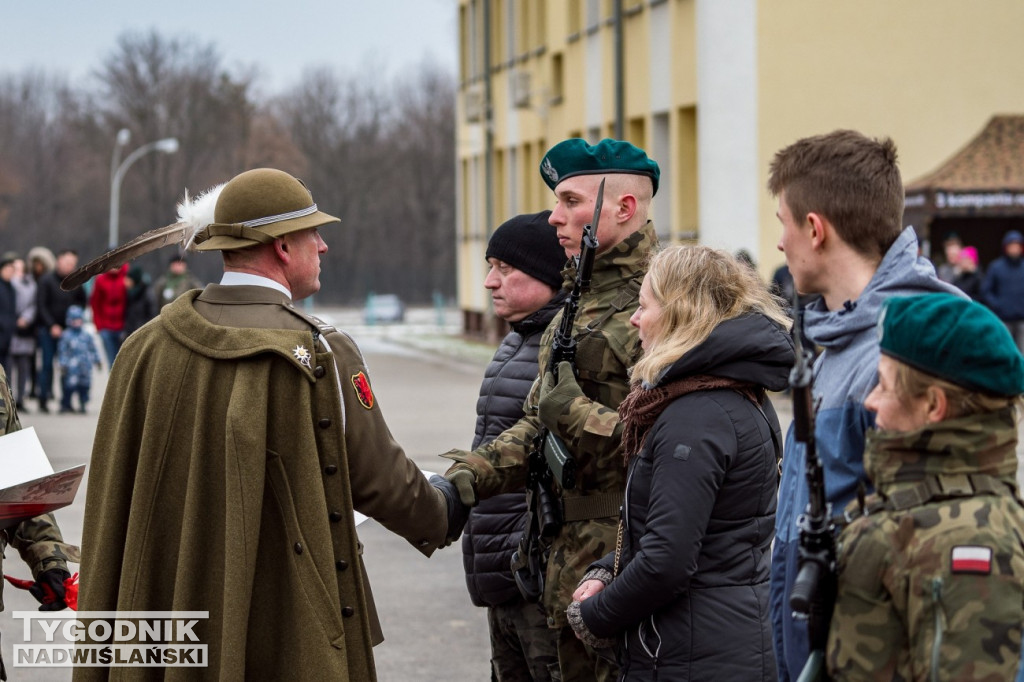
575	18
557	78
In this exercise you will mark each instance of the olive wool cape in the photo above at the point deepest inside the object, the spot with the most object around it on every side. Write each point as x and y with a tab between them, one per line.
226	466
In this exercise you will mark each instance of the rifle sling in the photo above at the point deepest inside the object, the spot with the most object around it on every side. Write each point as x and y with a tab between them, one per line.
627	295
584	507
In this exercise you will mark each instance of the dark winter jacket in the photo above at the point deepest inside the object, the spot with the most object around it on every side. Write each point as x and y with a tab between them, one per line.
691	598
141	304
1003	290
970	283
52	302
8	317
496	524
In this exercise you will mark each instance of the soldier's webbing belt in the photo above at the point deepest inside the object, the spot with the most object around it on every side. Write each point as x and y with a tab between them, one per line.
583	507
943	487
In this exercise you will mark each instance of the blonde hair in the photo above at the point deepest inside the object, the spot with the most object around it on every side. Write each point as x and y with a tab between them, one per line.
909	382
698	288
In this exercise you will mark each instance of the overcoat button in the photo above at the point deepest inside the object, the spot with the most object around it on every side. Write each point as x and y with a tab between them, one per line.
348	612
298	548
319	372
324	423
330	469
341	564
336	516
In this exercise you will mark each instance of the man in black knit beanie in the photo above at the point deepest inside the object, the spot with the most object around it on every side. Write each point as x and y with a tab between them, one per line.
525	282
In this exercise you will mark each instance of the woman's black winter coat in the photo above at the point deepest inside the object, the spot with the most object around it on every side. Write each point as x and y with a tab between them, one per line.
691	598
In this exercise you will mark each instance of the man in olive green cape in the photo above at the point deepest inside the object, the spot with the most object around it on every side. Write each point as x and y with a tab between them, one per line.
236	437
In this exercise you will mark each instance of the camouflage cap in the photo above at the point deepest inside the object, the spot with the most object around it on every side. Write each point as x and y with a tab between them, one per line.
575	157
952	338
256	207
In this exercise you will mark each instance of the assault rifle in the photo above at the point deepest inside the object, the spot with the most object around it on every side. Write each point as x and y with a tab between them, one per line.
814	590
550	461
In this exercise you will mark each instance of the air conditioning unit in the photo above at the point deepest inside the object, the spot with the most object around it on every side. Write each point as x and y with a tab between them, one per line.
519	82
473	103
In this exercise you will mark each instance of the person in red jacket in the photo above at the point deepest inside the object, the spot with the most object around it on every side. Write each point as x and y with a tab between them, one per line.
108	301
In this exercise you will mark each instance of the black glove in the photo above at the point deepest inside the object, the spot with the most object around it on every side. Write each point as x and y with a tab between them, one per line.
458	513
49	589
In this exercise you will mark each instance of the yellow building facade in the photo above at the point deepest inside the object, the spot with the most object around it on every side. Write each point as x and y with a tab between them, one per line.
712	89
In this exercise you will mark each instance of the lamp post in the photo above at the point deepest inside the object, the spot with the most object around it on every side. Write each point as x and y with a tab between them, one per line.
168	145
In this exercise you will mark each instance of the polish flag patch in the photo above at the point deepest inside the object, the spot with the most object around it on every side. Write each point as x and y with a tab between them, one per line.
972	559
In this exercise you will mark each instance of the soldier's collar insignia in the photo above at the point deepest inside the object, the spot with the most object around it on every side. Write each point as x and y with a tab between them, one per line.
363	392
302	355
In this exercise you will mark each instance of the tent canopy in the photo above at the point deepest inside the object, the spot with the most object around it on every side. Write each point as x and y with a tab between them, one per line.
984	179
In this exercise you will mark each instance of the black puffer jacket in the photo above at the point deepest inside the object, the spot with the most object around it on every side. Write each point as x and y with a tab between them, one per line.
691	598
496	524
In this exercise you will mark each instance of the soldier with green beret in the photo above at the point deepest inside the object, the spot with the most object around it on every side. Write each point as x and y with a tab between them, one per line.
236	437
581	409
931	568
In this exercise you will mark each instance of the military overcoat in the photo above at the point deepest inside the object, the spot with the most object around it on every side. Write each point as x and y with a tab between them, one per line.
235	439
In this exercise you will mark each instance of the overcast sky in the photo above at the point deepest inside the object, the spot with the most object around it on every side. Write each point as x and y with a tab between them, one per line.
281	38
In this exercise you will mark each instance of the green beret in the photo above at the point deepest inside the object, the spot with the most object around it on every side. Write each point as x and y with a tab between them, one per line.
955	339
576	157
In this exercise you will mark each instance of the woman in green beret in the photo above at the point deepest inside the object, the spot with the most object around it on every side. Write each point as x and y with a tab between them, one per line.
931	567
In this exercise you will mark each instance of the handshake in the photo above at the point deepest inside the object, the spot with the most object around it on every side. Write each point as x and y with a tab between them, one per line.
460	497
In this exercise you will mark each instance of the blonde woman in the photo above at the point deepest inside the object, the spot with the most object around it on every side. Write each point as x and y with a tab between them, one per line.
685	593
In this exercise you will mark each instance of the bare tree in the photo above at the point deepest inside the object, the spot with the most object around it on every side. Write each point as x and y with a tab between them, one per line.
48	168
379	155
161	87
383	160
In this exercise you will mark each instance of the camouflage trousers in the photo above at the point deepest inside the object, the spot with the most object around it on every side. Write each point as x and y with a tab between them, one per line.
577	662
523	648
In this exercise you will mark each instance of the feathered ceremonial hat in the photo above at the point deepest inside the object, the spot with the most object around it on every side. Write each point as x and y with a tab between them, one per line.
255	207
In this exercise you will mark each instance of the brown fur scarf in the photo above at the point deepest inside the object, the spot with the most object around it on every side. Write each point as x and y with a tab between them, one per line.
642	406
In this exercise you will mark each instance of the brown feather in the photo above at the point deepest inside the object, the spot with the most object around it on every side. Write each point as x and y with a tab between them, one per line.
144	243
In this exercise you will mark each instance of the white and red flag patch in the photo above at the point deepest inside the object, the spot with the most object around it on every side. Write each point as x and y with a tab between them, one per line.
972	559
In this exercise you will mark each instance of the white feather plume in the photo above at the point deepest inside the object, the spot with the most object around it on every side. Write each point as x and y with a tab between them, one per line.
197	212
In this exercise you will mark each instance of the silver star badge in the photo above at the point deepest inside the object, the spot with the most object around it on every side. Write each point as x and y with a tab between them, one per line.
302	355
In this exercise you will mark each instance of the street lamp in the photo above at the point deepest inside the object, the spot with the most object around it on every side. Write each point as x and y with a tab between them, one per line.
168	145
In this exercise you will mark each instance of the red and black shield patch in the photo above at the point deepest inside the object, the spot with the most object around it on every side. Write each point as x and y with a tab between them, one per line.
363	392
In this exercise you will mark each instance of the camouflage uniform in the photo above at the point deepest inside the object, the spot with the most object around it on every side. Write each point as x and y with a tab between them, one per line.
607	346
910	607
37	540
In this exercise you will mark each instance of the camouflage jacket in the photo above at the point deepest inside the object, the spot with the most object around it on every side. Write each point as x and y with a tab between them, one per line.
37	540
607	345
931	573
